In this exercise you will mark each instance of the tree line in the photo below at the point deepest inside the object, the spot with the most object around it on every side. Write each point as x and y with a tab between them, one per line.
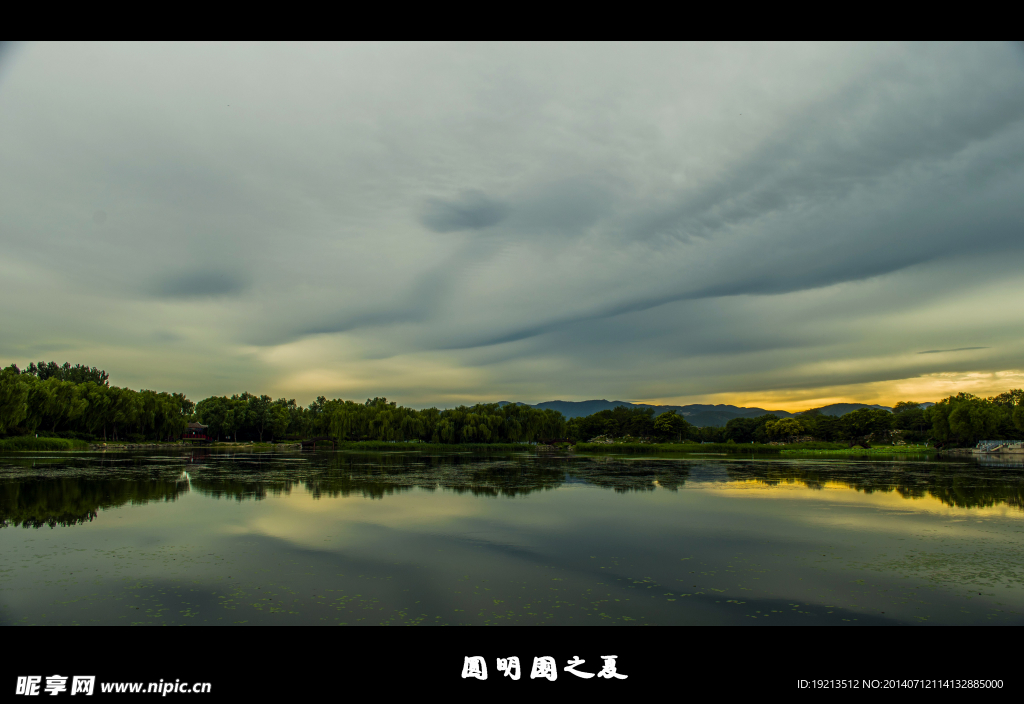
959	420
77	402
78	373
248	416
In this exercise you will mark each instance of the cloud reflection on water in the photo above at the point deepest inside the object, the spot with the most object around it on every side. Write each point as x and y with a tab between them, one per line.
66	492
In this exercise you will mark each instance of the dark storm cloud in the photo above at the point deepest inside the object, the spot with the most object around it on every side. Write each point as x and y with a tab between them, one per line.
567	206
871	132
958	349
199	284
873	128
470	210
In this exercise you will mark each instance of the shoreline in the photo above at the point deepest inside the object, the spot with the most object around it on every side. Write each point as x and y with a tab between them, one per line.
724	449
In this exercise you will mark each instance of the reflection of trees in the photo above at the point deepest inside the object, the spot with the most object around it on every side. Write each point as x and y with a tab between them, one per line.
49	494
74	500
967	492
376	475
242	487
514	475
962	485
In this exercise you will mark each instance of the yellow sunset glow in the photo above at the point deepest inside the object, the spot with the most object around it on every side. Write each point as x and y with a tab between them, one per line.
930	387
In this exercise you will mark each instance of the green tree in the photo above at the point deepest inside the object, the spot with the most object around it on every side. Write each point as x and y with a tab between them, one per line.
964	419
13	398
64	402
903	406
909	416
783	427
78	374
745	430
280	418
671	425
970	421
709	434
258	412
865	422
741	430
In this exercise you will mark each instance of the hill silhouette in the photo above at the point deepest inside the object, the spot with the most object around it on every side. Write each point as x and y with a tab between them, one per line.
698	414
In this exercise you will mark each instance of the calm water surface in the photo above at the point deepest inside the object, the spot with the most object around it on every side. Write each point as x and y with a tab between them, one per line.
341	538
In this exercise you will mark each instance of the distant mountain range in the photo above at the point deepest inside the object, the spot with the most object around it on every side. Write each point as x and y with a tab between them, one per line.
699	414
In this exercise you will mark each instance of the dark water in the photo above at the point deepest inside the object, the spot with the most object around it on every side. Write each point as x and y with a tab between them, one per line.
417	538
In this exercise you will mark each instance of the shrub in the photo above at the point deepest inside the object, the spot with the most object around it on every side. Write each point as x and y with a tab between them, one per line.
717	447
817	445
382	445
67	435
29	444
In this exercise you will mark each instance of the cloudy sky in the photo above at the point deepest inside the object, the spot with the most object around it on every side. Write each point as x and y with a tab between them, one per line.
780	224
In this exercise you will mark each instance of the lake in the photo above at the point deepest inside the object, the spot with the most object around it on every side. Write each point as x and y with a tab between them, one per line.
530	538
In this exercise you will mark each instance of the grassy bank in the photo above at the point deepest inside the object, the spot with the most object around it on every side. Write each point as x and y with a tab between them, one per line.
691	447
377	445
811	449
434	447
31	444
807	449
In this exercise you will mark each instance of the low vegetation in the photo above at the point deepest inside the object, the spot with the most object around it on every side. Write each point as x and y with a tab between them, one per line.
800	450
689	447
33	444
427	446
